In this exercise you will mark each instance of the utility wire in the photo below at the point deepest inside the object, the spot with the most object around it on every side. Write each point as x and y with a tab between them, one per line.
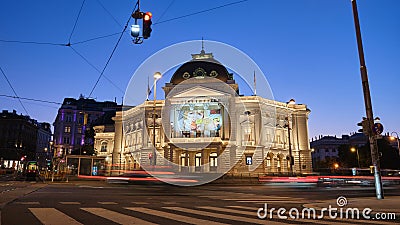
32	42
92	39
76	21
94	67
105	9
162	14
202	11
30	99
15	93
112	53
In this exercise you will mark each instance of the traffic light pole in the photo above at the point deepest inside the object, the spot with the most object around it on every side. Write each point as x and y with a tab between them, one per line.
368	106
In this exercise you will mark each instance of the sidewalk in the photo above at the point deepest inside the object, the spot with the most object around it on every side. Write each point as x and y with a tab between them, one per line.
390	204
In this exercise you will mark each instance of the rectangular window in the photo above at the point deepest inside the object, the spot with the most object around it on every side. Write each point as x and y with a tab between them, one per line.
249	160
67	129
79	130
66	140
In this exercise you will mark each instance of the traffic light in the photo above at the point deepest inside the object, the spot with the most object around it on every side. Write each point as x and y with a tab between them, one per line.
147	25
366	128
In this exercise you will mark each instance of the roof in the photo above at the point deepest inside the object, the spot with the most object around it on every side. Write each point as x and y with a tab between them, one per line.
202	65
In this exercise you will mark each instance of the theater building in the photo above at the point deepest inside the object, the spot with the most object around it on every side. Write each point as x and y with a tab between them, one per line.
204	125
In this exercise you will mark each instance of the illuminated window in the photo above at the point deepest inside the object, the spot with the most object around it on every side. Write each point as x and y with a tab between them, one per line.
67	129
103	147
268	161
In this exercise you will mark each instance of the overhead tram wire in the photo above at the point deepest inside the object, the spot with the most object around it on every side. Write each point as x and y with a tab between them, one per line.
202	11
76	21
15	93
94	67
32	42
31	99
109	13
112	53
165	11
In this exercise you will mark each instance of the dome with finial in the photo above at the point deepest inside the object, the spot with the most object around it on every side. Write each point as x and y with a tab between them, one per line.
202	65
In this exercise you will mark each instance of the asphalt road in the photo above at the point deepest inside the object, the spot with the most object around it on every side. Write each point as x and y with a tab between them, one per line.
96	202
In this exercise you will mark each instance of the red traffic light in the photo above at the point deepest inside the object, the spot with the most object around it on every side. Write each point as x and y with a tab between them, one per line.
147	16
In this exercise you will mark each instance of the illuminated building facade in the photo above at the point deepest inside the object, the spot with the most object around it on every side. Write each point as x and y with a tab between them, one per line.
203	125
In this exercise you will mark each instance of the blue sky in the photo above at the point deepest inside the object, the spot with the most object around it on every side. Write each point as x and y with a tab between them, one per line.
306	48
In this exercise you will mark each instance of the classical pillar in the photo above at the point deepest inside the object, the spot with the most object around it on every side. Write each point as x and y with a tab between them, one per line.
219	161
117	142
205	160
192	156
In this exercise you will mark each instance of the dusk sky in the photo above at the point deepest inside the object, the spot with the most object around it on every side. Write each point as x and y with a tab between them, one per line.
306	49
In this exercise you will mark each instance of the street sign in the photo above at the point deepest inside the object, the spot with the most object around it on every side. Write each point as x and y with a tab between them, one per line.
378	128
150	155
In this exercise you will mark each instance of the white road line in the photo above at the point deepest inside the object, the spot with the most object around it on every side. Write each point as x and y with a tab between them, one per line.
172	216
70	203
51	216
247	213
28	203
108	203
140	203
243	207
223	216
116	217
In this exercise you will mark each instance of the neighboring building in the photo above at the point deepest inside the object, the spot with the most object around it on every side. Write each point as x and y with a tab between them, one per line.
43	151
205	126
325	148
104	137
73	124
19	138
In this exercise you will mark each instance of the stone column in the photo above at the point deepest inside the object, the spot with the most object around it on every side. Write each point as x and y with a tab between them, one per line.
192	156
205	158
117	141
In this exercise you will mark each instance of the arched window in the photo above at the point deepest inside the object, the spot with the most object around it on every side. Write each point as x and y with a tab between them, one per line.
103	146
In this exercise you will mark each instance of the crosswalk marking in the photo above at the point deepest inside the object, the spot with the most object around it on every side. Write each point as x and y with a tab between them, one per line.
116	217
247	213
242	207
172	216
108	203
70	203
223	216
51	216
140	203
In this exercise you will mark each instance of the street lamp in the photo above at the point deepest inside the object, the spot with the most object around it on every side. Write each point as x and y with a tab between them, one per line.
157	76
353	149
291	161
393	138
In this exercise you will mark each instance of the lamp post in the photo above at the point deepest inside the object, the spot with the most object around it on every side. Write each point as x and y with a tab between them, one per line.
157	76
291	161
353	149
